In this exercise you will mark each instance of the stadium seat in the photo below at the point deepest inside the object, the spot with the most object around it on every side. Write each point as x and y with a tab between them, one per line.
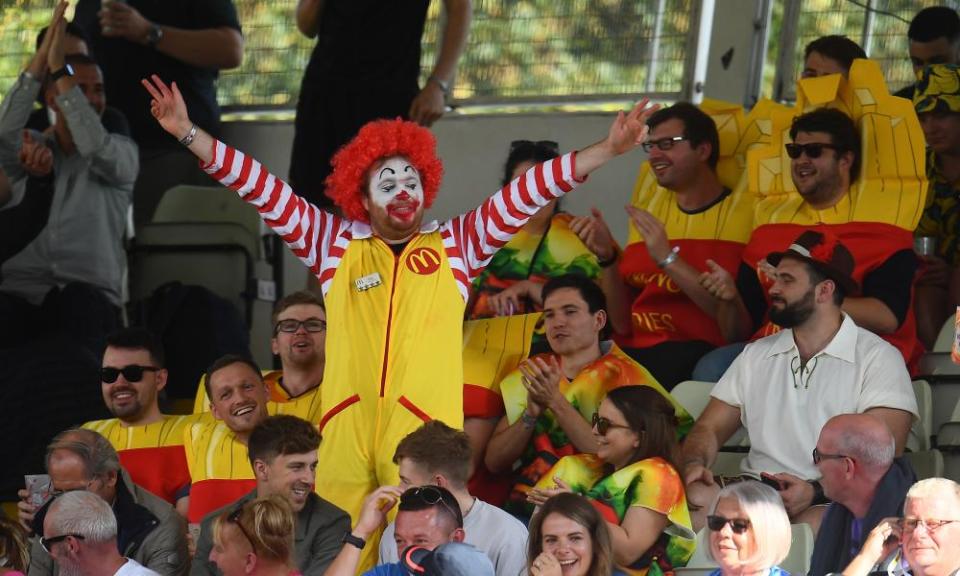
919	438
694	395
927	463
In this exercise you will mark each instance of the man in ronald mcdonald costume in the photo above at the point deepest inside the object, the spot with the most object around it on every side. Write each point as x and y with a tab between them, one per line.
395	287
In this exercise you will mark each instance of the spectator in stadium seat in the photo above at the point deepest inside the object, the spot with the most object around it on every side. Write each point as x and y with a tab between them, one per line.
784	388
283	454
569	529
299	338
659	312
824	162
216	451
855	455
150	443
937	102
255	538
934	38
427	516
80	534
749	531
550	398
436	454
148	529
69	277
187	41
832	54
927	534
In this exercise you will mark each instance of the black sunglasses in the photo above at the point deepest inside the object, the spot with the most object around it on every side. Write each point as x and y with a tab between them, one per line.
549	145
234	518
738	525
603	425
662	143
132	373
812	150
431	496
47	543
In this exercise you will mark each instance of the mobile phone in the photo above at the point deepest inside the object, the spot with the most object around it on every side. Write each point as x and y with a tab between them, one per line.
771	481
39	487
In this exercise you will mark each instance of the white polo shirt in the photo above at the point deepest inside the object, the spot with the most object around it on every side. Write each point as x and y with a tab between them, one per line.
783	407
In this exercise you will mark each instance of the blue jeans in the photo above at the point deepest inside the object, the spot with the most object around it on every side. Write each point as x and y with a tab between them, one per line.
714	363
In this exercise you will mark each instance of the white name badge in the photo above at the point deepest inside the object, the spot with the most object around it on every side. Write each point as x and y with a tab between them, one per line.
367	282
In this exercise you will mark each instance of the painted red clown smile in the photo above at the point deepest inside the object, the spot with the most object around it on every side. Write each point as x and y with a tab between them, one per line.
404	208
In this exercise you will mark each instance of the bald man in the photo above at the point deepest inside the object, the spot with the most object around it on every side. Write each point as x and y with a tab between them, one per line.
855	456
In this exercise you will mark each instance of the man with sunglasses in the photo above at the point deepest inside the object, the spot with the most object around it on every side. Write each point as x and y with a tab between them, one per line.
427	516
825	159
299	338
783	388
80	534
855	456
283	454
216	451
148	529
682	218
149	442
436	454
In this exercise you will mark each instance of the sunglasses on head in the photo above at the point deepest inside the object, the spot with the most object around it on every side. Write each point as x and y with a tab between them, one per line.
603	425
738	525
812	150
131	373
234	518
431	496
549	145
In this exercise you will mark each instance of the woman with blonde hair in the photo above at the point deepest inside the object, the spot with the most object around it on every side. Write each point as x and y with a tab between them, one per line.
255	539
749	530
14	549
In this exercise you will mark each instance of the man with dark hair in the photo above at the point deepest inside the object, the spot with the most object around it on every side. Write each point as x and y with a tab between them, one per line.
682	217
299	338
149	442
69	277
934	36
783	388
550	399
832	54
283	453
937	102
217	450
825	162
428	516
436	454
148	529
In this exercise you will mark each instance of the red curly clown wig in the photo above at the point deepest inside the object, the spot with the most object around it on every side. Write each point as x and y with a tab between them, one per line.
377	140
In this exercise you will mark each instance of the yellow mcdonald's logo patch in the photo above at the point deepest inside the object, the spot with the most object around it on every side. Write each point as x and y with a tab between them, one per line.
423	261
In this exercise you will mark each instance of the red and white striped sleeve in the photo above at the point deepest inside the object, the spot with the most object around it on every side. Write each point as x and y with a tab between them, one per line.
472	239
318	238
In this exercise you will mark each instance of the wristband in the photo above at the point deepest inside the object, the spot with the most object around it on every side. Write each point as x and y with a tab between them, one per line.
188	139
610	261
357	541
818	496
670	258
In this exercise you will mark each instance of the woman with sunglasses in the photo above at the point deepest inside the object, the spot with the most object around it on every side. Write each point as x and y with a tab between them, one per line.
633	480
545	247
255	539
749	530
568	537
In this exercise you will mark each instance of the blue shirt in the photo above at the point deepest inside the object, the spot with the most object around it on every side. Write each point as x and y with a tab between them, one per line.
394	569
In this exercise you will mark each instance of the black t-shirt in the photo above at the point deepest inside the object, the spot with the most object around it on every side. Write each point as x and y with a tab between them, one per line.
891	283
369	40
125	63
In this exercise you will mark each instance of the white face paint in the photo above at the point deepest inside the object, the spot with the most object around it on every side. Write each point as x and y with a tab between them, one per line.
396	190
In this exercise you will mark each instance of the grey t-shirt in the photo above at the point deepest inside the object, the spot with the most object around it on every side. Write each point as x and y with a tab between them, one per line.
499	535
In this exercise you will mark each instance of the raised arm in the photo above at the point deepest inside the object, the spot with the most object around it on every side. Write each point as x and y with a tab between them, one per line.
481	232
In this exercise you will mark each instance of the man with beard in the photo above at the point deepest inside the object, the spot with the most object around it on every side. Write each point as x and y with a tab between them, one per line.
784	388
550	399
299	337
283	453
216	451
150	443
80	533
825	162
